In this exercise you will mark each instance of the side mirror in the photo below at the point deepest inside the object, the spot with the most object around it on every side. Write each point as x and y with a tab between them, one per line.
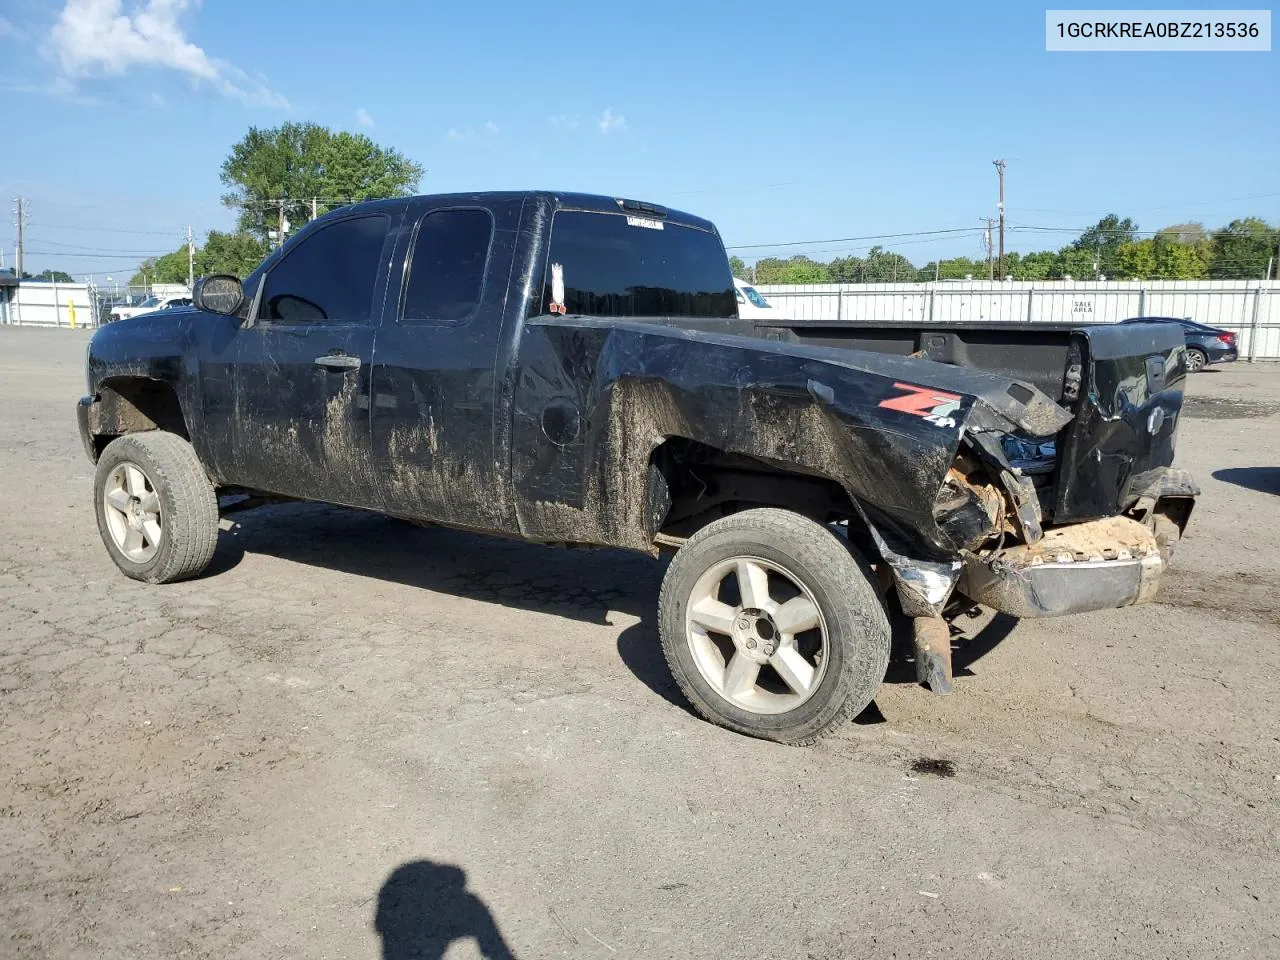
220	293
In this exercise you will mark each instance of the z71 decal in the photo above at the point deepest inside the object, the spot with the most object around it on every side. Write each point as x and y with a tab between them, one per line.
933	405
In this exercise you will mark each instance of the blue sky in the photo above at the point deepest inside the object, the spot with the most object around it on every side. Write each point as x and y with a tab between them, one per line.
781	123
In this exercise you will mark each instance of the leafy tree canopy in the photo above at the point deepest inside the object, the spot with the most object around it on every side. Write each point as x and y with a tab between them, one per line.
296	162
1242	249
234	253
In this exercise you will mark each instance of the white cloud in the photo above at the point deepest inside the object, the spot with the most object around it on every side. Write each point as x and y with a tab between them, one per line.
60	88
10	29
363	118
610	121
563	121
455	134
93	36
491	127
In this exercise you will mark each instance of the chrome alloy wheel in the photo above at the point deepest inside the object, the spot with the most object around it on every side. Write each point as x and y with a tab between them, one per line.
757	635
131	507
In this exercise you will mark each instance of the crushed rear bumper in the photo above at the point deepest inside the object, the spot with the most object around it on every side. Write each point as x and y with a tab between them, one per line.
1098	565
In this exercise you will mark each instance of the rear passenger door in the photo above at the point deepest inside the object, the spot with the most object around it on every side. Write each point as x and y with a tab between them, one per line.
305	361
434	426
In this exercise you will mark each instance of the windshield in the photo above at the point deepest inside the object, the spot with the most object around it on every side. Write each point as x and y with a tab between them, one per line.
150	302
754	296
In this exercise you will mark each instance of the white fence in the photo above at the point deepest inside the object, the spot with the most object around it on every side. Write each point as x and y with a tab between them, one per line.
38	304
1250	308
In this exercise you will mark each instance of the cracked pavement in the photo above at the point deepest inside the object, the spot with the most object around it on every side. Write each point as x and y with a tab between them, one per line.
288	756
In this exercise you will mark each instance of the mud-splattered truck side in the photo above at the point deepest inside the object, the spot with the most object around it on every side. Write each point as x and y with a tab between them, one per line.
571	369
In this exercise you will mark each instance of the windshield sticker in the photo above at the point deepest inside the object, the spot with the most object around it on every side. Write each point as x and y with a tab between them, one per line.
557	289
644	222
933	405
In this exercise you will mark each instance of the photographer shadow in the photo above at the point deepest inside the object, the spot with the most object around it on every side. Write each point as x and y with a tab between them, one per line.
423	907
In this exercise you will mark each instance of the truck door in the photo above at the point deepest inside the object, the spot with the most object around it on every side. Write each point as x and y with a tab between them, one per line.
304	365
436	443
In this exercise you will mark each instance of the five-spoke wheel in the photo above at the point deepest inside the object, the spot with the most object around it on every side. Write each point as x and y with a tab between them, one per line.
157	511
772	627
757	635
132	509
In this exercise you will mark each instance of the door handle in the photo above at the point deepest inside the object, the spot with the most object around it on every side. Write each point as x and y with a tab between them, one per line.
338	361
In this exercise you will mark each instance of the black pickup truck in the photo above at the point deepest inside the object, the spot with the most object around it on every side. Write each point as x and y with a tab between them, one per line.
571	369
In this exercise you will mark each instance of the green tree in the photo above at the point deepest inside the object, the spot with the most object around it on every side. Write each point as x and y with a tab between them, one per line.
57	276
1182	252
1242	249
1104	240
846	269
1040	265
1136	260
738	268
885	266
955	268
798	269
170	268
296	162
234	253
1078	263
1190	233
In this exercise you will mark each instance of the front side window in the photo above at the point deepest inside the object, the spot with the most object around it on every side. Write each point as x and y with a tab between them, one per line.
447	265
613	265
331	275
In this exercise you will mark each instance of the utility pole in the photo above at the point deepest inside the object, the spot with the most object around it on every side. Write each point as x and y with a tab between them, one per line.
314	208
986	239
280	226
1000	170
21	222
191	260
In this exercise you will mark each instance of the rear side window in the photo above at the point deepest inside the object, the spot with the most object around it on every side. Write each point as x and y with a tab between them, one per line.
447	265
331	275
612	265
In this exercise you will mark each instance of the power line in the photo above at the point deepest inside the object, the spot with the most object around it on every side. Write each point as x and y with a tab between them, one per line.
879	236
76	247
973	231
66	226
1169	206
101	255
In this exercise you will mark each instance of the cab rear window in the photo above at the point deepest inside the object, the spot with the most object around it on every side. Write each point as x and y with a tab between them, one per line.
614	265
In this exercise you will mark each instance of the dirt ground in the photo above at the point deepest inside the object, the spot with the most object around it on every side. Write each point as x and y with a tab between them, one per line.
359	739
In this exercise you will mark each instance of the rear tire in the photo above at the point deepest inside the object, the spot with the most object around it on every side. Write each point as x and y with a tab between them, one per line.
1197	360
157	511
772	627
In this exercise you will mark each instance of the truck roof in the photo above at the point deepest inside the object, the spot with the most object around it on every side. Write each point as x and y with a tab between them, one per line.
556	200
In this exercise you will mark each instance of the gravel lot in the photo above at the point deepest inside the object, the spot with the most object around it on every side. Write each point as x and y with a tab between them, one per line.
355	738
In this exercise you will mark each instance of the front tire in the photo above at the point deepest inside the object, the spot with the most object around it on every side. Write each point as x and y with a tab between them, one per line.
157	511
1197	360
771	626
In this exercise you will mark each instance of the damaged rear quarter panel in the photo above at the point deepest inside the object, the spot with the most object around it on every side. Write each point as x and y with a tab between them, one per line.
632	384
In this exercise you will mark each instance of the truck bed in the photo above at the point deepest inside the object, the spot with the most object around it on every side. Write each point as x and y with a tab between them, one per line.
1033	354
